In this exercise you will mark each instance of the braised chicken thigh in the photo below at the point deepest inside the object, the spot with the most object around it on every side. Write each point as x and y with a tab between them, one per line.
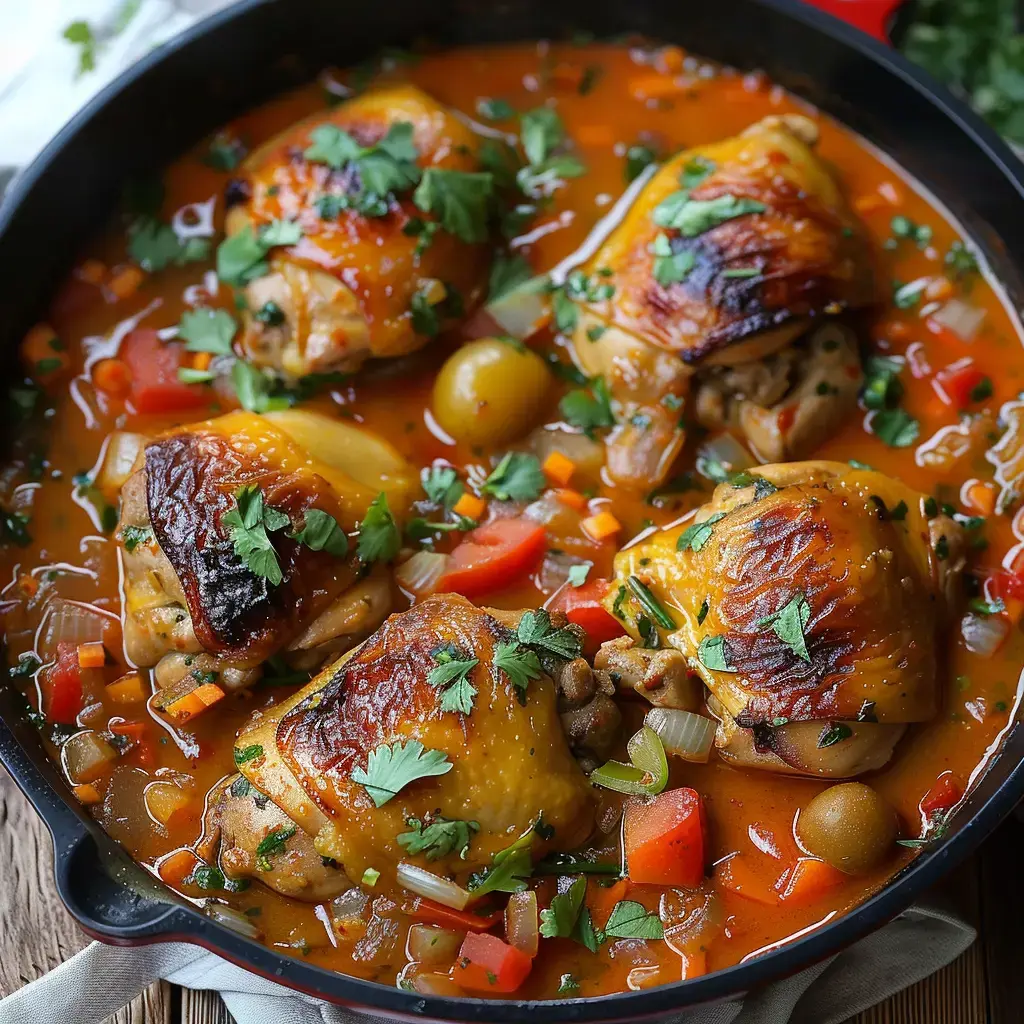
809	598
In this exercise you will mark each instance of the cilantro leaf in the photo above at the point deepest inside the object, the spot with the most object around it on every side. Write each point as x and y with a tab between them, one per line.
241	257
631	920
438	837
695	536
692	217
638	158
789	623
379	538
133	536
559	920
509	869
280	232
585	933
272	843
442	486
243	755
321	532
508	272
389	769
696	171
154	246
670	266
519	663
517	477
589	409
248	526
451	676
833	733
896	427
253	388
80	34
423	313
495	109
714	654
535	630
333	146
208	330
578	573
540	131
461	201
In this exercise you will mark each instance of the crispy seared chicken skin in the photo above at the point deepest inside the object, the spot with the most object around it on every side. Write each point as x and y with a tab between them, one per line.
809	602
192	605
511	763
346	291
766	244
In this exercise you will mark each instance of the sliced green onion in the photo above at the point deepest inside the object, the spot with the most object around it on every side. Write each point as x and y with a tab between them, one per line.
646	776
622	778
650	603
370	876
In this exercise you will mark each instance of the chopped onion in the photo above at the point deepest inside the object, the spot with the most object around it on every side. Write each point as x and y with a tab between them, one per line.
960	317
195	220
419	575
429	944
427	982
72	623
433	887
983	634
586	454
646	776
690	919
521	311
86	757
350	905
233	919
683	733
521	927
722	456
119	455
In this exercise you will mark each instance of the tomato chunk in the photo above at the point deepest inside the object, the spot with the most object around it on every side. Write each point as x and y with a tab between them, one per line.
945	793
486	964
665	839
154	364
61	686
493	556
585	606
961	383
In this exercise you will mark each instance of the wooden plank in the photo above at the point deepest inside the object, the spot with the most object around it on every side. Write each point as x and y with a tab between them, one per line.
154	1006
203	1008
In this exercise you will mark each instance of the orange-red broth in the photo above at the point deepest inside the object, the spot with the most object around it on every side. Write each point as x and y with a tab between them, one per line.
750	813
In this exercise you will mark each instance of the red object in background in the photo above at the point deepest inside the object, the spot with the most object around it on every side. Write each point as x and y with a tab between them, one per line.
493	556
61	686
871	16
583	606
155	384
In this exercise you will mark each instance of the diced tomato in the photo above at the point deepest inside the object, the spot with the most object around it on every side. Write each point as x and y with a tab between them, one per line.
486	964
423	909
154	367
946	792
585	606
664	839
493	556
957	382
736	875
807	881
61	686
1009	584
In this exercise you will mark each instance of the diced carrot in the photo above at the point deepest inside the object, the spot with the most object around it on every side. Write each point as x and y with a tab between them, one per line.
193	703
209	693
112	376
125	281
201	360
664	839
43	353
87	794
655	87
486	964
167	803
558	468
28	584
601	527
806	881
91	655
470	506
93	271
571	498
735	874
595	135
126	690
131	728
981	497
177	867
694	964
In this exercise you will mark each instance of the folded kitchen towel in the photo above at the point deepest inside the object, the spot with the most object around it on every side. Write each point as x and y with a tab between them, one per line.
101	979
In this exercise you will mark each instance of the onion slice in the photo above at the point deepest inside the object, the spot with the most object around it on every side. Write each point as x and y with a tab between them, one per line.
433	887
648	773
984	634
521	311
419	575
521	922
683	733
960	317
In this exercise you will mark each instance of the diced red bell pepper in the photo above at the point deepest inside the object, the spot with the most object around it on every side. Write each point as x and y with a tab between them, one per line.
946	793
665	839
423	909
585	607
61	686
807	881
957	382
154	367
493	556
486	964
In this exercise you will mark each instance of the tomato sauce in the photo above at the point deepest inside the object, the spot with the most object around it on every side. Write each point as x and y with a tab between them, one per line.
610	98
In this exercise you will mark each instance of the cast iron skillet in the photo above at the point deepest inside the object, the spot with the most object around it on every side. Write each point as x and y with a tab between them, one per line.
247	54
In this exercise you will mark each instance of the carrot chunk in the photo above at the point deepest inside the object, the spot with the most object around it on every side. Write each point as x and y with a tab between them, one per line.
87	794
486	964
735	875
664	839
571	498
91	655
126	690
113	377
601	527
558	468
470	506
125	282
176	868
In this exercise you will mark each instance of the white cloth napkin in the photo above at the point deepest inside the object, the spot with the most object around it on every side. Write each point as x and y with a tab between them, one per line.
39	92
101	979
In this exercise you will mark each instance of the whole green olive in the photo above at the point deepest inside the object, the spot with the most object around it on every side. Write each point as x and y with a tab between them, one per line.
850	826
490	392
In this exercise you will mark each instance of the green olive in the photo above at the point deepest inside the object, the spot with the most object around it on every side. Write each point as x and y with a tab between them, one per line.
850	826
490	392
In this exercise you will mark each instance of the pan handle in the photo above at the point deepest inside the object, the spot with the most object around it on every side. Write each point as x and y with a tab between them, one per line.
875	17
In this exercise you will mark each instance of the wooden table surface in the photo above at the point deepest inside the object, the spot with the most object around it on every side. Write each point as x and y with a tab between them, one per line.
984	986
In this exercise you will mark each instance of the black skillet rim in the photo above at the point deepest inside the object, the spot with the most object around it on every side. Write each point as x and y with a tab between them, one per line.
184	923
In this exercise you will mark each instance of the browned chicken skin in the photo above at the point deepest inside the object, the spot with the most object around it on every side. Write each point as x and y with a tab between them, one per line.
777	248
510	760
809	602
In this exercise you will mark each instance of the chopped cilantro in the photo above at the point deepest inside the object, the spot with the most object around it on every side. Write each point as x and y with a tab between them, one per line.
519	663
578	573
379	539
438	836
248	527
273	843
559	919
461	200
692	217
833	733
695	536
590	408
450	675
208	330
390	768
714	655
154	246
442	486
789	623
896	427
321	532
517	477
245	754
535	630
632	920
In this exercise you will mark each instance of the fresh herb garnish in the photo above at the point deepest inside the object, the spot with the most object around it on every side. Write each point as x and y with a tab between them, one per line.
519	663
670	265
632	920
379	537
650	603
390	768
693	217
450	675
438	836
154	246
241	257
559	919
535	630
789	623
638	158
589	409
442	486
461	201
833	733
249	525
495	109
695	536
896	427
249	753
578	573
133	536
273	843
208	330
320	532
517	477
508	273
714	655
